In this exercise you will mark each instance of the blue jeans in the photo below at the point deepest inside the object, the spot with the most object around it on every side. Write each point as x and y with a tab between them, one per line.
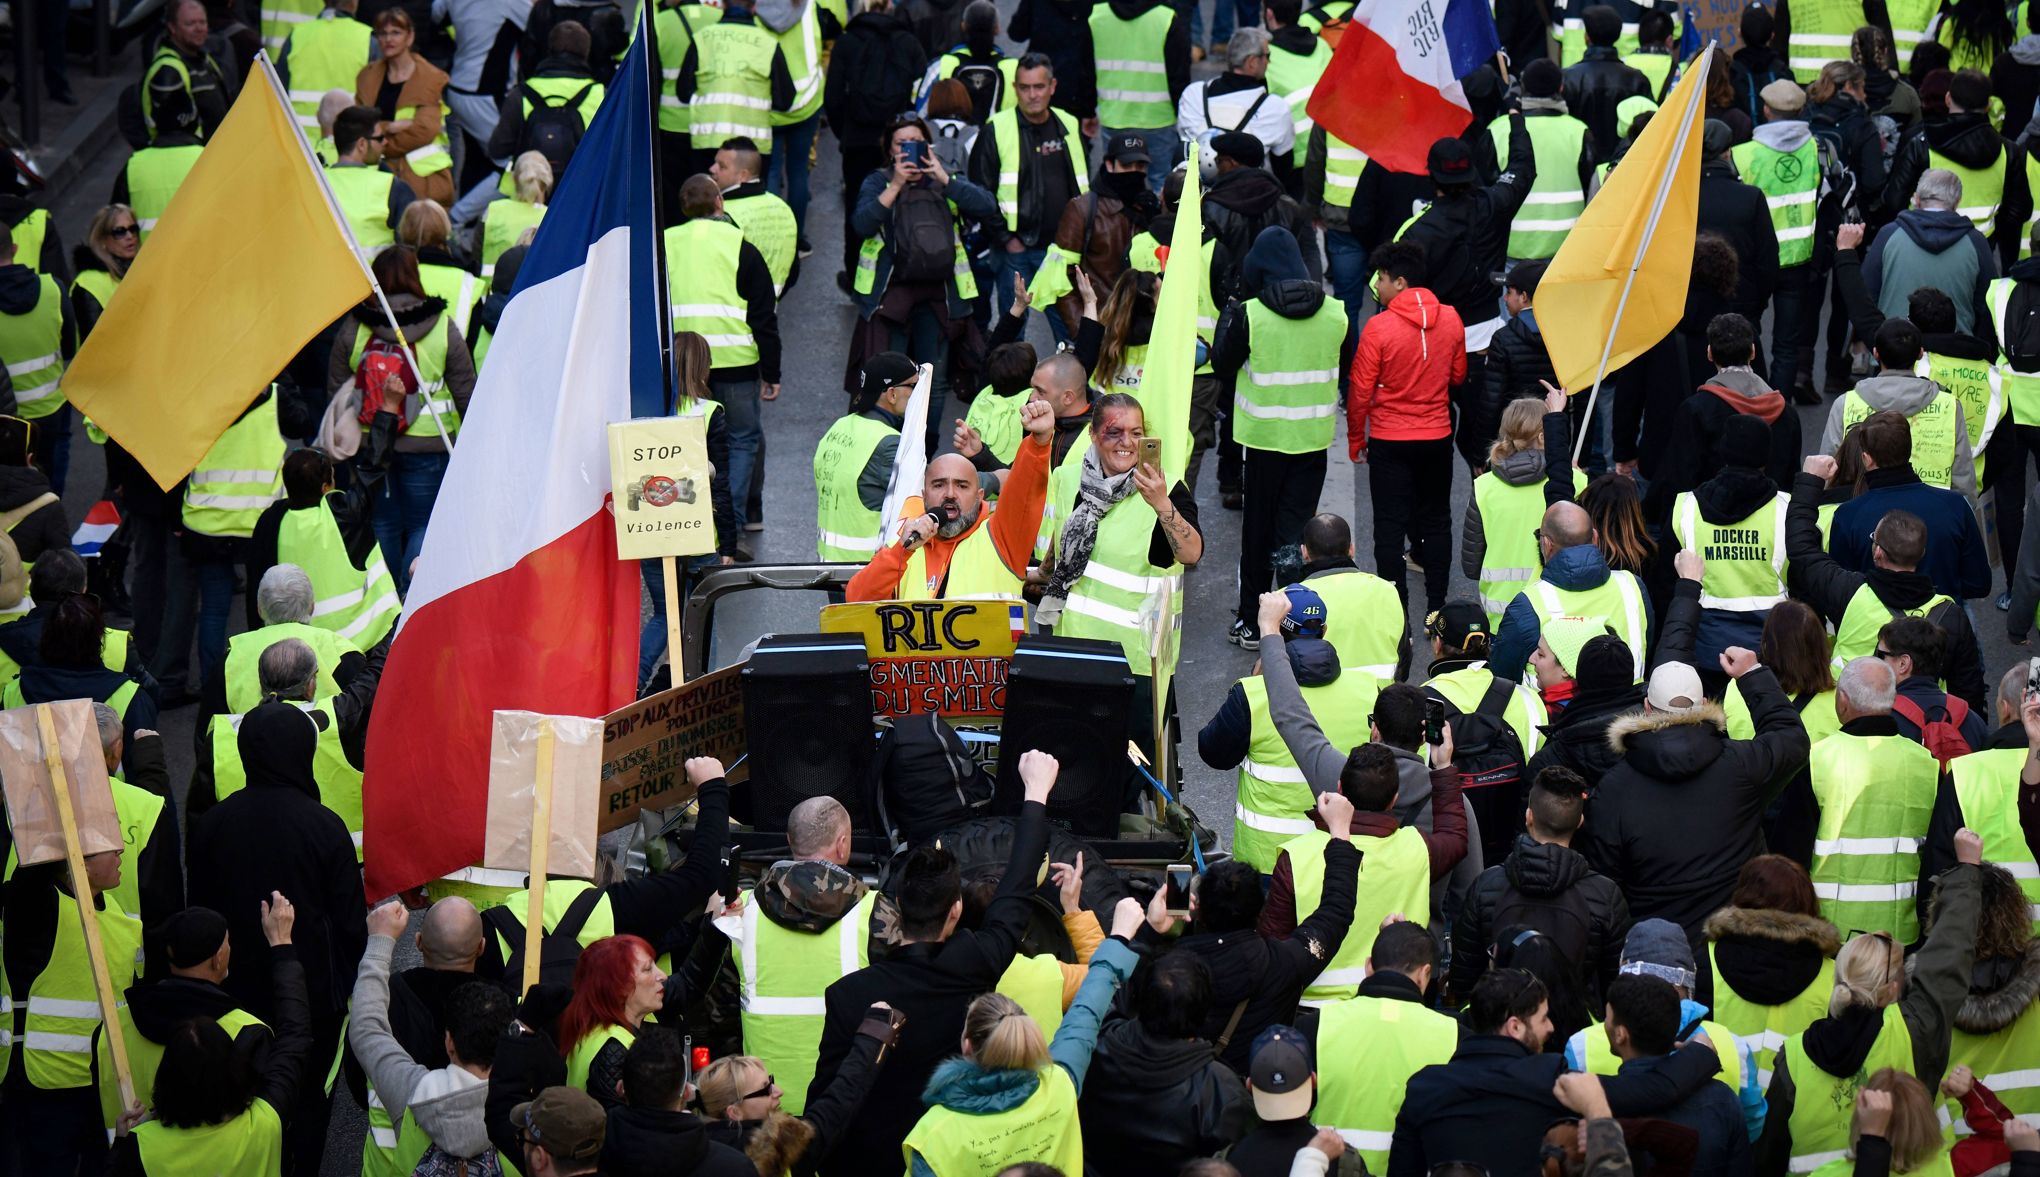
652	638
215	605
404	508
922	341
1162	144
1222	19
54	441
790	147
739	399
1346	259
1023	263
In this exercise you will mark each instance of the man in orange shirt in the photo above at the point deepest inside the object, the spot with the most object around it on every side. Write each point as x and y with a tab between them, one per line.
963	547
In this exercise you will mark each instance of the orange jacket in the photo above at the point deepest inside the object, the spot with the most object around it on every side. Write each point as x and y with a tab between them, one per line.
1014	520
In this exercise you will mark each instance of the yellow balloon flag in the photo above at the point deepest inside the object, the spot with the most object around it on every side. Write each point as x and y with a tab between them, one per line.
249	262
1164	392
1618	284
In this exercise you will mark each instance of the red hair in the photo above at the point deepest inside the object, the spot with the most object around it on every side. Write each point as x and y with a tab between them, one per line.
603	980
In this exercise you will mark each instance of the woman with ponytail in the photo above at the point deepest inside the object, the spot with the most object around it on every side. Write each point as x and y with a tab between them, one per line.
1885	1011
1011	1096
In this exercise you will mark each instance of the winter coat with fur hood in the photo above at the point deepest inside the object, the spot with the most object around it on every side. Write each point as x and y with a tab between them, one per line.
1764	956
1674	821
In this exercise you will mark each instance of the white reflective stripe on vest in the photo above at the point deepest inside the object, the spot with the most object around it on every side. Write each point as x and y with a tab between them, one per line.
1554	197
384	1136
1370	1141
1865	892
1557	225
57	1043
850	544
1874	847
1110	614
1293	827
1135	95
1126	582
703	310
1815	1160
729	128
729	340
1286	412
1317	376
58	1007
227	502
1796	234
1135	67
1279	775
744	100
27	366
2020	870
1789	200
1346	976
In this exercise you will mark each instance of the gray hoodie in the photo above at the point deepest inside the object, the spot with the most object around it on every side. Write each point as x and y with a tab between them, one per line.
1786	135
446	1103
779	15
1907	395
1413	808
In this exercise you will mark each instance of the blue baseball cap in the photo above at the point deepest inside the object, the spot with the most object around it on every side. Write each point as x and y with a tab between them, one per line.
1307	613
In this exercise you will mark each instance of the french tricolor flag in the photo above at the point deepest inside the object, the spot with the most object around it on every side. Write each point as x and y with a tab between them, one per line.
519	600
99	525
1392	88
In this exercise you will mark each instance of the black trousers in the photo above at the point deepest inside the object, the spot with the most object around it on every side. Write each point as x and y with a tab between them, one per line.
676	160
304	1125
1411	484
859	161
2004	471
1282	494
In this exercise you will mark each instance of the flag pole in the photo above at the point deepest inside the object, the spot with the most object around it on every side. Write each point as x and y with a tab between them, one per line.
648	29
354	247
1657	208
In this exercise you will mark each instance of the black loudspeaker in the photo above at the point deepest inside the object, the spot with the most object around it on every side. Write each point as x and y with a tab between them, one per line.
1070	698
807	726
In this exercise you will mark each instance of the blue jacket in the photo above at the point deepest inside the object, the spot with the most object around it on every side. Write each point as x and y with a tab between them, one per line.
961	1085
1712	1113
1956	561
1749	1094
1576	569
1224	741
872	219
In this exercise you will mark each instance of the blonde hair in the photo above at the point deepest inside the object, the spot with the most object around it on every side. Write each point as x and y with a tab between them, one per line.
723	1083
1867	973
533	177
424	223
1915	1132
1522	428
99	237
1834	76
1001	1035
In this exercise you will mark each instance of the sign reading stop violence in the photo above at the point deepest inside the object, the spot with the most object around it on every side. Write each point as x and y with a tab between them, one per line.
946	657
659	475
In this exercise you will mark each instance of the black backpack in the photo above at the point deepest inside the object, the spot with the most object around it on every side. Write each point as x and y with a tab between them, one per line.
924	236
986	85
1565	917
1489	756
2020	329
558	950
554	127
926	779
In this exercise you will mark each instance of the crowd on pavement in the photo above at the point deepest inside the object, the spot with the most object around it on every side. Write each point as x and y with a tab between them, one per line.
1702	837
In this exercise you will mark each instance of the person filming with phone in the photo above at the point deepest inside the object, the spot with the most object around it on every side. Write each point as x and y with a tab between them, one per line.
913	282
963	546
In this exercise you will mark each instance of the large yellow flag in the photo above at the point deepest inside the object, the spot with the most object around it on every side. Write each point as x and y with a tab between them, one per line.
1172	345
247	264
1618	284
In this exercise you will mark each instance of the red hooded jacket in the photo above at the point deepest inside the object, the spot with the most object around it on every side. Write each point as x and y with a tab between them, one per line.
1409	355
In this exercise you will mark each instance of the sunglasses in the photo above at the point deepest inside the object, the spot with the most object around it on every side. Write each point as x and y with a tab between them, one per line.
764	1091
124	231
1883	653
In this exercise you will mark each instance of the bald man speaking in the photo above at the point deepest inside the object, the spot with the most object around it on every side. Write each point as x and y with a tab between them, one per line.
963	546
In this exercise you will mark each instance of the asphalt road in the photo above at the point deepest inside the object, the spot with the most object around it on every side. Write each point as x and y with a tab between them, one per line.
816	320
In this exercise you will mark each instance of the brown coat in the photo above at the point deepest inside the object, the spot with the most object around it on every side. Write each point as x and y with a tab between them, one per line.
1111	234
422	92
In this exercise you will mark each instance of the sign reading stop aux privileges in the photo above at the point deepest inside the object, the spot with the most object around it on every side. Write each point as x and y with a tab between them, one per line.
946	657
659	472
646	745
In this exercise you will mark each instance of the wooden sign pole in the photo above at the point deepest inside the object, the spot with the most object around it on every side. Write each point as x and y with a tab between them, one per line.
1160	672
88	917
671	566
541	853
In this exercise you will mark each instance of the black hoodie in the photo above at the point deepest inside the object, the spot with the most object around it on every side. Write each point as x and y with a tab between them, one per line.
1971	141
1543	877
44	529
1238	207
21	289
1150	1103
159	1007
1062	30
1766	957
1275	273
655	1142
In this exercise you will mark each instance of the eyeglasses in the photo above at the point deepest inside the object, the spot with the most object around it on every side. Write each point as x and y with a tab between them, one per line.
764	1091
1883	653
124	231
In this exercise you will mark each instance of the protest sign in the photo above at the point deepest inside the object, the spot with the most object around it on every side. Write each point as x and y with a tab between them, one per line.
1716	22
645	746
946	657
659	474
568	790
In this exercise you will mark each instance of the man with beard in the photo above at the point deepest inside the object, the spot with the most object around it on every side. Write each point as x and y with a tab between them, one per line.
963	547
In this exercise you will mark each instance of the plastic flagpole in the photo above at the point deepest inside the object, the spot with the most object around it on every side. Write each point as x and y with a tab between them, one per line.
339	219
1657	208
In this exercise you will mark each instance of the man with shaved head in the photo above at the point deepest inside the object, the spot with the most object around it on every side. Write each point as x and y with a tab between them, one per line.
1574	582
963	546
450	940
804	926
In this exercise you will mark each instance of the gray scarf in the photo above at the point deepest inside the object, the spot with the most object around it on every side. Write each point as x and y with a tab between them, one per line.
1097	493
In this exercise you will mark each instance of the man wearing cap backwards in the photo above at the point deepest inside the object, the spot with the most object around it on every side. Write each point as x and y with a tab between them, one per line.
1674	821
1660	949
1740	213
196	946
560	1133
1284	1088
854	461
1782	160
1274	800
963	546
1465	232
